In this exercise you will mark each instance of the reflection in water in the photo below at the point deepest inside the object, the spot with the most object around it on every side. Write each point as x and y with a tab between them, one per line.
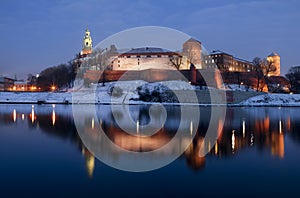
93	123
244	128
193	157
32	115
14	115
53	117
232	141
89	161
264	128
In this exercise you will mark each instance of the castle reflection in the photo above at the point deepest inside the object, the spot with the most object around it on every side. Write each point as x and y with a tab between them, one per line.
262	128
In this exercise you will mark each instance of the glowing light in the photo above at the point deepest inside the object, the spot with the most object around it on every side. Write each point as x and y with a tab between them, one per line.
23	116
137	126
53	117
53	88
93	123
191	127
32	114
251	139
53	105
233	141
280	126
33	88
244	128
216	148
14	115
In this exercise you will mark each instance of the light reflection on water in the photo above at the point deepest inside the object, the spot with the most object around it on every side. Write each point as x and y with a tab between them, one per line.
258	129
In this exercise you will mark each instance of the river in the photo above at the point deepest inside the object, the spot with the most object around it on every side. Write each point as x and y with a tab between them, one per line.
255	152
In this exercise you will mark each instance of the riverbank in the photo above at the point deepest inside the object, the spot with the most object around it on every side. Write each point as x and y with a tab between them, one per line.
98	94
104	98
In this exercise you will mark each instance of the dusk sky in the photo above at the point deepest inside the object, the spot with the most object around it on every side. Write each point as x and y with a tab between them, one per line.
38	34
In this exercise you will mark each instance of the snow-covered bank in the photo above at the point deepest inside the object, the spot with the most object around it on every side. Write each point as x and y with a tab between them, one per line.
273	100
35	97
141	92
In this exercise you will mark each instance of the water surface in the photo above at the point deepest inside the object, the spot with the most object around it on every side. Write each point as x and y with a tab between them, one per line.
42	155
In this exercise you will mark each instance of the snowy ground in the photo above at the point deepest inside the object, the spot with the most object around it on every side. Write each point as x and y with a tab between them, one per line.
273	100
129	94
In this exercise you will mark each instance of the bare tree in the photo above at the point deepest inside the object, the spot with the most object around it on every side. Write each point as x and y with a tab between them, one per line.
257	62
176	61
267	67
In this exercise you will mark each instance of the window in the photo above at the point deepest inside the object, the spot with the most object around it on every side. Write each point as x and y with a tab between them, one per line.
158	56
128	56
148	56
138	56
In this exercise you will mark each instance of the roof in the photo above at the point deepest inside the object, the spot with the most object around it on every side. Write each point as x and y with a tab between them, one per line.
192	40
20	82
214	52
274	54
218	52
242	60
146	50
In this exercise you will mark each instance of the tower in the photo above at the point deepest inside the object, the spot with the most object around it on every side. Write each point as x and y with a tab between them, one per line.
192	52
274	59
87	43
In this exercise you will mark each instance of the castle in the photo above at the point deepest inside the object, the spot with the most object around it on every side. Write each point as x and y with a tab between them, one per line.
163	61
158	58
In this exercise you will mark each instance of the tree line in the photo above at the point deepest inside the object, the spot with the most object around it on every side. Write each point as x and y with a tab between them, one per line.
57	77
294	77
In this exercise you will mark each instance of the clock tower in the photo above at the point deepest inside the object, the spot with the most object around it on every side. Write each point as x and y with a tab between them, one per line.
87	43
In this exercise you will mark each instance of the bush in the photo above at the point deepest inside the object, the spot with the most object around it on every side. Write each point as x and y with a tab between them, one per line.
115	91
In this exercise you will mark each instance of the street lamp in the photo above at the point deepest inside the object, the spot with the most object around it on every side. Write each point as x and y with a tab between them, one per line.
53	88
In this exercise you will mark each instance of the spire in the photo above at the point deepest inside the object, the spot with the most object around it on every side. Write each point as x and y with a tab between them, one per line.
87	44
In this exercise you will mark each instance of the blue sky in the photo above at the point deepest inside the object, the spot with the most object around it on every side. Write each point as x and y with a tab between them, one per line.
36	34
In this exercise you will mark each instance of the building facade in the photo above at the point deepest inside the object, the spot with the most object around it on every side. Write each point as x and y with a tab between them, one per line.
147	58
227	62
6	84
